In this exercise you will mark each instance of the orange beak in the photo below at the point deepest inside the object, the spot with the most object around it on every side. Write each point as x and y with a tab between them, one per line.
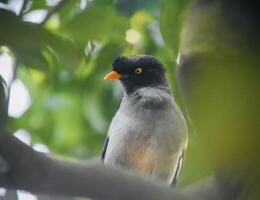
112	75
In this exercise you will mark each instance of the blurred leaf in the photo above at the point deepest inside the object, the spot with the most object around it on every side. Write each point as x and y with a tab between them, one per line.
93	113
68	11
105	2
68	119
196	165
30	39
106	57
97	23
35	5
33	59
131	6
172	14
4	1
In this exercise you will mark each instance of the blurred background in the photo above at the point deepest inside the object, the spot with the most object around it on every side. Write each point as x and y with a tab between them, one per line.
54	55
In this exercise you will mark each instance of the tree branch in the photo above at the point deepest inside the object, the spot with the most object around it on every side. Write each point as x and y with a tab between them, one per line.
23	7
39	173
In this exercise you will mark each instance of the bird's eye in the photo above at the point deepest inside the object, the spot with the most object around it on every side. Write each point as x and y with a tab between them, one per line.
138	70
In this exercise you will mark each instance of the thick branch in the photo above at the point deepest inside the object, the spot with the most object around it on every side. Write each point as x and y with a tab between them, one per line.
39	173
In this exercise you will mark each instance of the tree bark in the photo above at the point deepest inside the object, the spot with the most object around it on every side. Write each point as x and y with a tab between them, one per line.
218	79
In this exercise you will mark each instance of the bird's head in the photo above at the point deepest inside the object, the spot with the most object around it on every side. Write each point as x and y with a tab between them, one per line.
135	72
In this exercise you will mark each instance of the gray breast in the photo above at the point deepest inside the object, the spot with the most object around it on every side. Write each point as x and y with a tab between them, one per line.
147	134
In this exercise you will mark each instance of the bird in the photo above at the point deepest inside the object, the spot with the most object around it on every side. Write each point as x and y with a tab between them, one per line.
148	133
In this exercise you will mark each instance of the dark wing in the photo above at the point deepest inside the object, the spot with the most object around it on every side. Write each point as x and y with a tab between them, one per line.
178	169
104	148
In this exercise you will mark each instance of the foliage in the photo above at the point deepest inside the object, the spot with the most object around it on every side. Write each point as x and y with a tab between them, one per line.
172	16
63	61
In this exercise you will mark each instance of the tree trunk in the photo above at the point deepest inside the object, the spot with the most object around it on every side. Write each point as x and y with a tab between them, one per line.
219	80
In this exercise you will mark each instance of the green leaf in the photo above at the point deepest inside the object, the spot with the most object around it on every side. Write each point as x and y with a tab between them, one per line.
172	14
28	40
35	5
68	11
130	7
97	23
32	59
105	58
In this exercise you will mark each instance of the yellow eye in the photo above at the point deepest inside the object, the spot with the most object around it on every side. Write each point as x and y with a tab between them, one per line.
138	70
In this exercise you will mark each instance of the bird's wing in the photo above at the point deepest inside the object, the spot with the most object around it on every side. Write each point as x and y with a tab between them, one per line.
178	169
104	148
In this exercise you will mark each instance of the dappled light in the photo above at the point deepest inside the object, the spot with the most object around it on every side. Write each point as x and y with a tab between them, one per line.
25	196
6	63
132	36
24	136
20	99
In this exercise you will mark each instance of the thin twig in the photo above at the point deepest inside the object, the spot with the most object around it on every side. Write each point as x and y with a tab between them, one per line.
22	8
54	10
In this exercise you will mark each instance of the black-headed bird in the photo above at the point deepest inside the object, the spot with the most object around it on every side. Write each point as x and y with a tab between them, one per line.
148	133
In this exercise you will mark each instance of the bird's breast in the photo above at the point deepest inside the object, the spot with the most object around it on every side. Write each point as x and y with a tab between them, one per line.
146	138
138	139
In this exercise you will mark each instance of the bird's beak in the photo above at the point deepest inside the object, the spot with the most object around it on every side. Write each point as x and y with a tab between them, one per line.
112	76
